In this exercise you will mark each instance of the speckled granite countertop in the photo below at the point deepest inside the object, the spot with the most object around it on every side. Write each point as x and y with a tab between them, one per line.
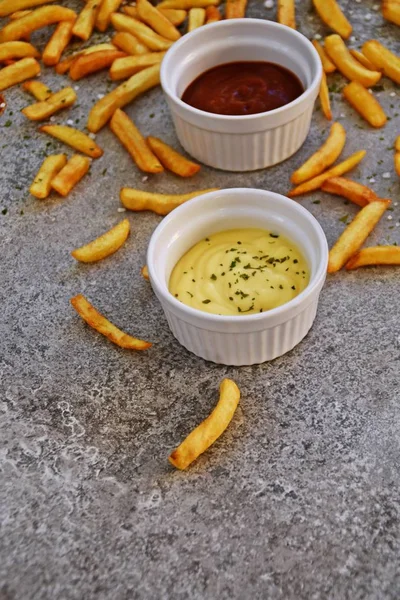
299	499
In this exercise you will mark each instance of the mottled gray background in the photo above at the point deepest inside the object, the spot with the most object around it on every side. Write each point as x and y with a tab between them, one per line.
298	500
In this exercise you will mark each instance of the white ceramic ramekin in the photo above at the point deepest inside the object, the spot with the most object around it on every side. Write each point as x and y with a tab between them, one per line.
248	339
241	143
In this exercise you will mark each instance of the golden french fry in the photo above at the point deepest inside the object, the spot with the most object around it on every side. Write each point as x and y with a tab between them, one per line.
156	20
104	326
171	159
91	63
70	174
38	18
347	65
322	158
374	255
197	18
86	20
64	66
18	14
383	59
161	204
397	144
397	163
205	434
355	234
58	101
57	43
363	60
144	33
365	104
324	97
131	138
235	9
129	44
103	110
174	15
41	186
187	4
37	89
20	71
107	8
122	68
351	190
11	50
145	273
331	14
286	13
8	7
340	169
74	138
104	245
327	65
212	14
391	11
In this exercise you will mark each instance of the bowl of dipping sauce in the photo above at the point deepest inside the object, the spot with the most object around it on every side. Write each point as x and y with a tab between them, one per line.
238	273
241	92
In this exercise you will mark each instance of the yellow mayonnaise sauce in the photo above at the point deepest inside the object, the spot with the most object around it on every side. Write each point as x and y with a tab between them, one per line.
239	272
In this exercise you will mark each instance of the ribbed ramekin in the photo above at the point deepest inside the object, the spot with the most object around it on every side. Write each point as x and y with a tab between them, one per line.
247	339
241	143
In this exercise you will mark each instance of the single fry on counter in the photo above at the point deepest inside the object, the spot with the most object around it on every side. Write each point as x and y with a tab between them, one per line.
365	104
145	273
383	59
129	43
107	8
38	18
104	245
351	190
150	15
37	89
197	18
391	11
187	4
212	14
70	174
331	14
397	163
86	20
20	13
142	32
9	7
205	434
58	101
327	65
324	98
171	159
74	138
286	13
98	322
176	16
64	65
125	67
57	43
15	50
347	64
359	56
235	9
17	72
91	63
161	204
41	186
374	255
397	144
355	234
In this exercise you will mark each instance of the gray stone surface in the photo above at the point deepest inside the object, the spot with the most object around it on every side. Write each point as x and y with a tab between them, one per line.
298	500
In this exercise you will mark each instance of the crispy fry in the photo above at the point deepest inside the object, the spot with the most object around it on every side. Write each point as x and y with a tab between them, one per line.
18	14
197	18
365	104
107	8
144	33
8	7
74	138
322	158
363	60
212	14
235	9
41	17
64	66
68	177
286	13
187	4
91	63
41	186
351	190
104	326
145	273
324	98
125	67
11	50
20	71
397	144
397	163
103	110
161	204
174	15
57	43
37	89
374	255
331	14
131	138
355	234
340	169
86	20
391	11
383	59
205	434
58	101
327	65
171	159
156	20
129	44
347	65
104	245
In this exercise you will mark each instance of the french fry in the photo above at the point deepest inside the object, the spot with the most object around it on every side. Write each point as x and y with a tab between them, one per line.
70	174
104	245
327	65
391	11
205	434
347	65
129	44
37	89
58	101
156	20
374	255
104	326
64	66
286	13
212	14
174	15
187	4
337	171
322	158
38	18
171	159
365	104
86	20
363	60
397	163
351	190
161	204
144	33
122	68
41	186
197	18
235	9
107	8
12	50
131	138
91	63
331	14
74	138
383	59
20	71
57	43
355	234
103	110
397	144
324	98
145	273
10	7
